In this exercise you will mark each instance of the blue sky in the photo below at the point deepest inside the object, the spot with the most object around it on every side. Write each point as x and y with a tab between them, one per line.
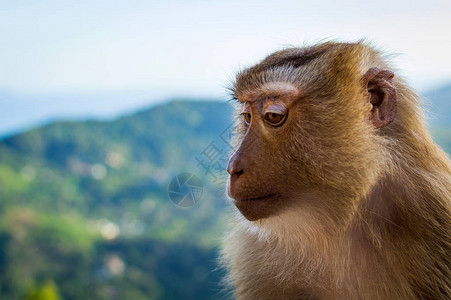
192	47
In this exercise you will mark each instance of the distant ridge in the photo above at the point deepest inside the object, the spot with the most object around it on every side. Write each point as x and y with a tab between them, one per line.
440	106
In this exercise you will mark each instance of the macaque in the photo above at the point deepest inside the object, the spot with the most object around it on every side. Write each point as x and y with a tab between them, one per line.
339	190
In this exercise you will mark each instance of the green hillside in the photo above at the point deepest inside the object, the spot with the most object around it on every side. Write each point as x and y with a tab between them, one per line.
85	211
85	205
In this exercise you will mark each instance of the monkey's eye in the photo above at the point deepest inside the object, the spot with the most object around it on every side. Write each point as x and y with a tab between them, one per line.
247	118
275	119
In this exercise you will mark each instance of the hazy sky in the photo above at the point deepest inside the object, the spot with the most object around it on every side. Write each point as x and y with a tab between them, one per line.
193	47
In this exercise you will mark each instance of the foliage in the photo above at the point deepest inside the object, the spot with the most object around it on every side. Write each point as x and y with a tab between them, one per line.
48	291
85	205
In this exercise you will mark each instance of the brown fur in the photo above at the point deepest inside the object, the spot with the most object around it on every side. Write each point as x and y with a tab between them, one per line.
365	212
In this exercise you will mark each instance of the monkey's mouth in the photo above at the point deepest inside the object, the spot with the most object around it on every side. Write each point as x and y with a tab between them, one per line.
261	198
254	208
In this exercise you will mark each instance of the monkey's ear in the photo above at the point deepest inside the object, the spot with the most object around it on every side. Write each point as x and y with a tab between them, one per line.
382	96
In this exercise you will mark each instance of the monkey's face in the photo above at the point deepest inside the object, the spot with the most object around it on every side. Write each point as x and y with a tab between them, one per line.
262	167
293	145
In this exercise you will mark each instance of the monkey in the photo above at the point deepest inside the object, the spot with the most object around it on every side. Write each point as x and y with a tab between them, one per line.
338	190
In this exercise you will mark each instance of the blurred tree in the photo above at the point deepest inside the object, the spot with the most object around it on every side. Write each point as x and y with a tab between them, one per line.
47	291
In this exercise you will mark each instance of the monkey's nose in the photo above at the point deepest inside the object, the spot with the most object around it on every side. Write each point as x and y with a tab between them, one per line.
234	167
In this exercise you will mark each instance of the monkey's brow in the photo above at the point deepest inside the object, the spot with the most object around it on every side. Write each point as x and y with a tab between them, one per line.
273	90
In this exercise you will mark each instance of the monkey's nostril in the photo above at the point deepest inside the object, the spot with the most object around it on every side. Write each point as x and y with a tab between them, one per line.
238	173
234	170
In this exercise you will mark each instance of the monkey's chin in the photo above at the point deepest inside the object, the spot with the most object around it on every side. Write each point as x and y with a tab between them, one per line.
254	209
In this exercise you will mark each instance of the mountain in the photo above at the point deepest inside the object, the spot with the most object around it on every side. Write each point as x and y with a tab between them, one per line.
439	106
21	111
85	205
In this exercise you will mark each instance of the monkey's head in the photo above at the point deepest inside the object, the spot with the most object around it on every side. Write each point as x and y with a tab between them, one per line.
310	129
